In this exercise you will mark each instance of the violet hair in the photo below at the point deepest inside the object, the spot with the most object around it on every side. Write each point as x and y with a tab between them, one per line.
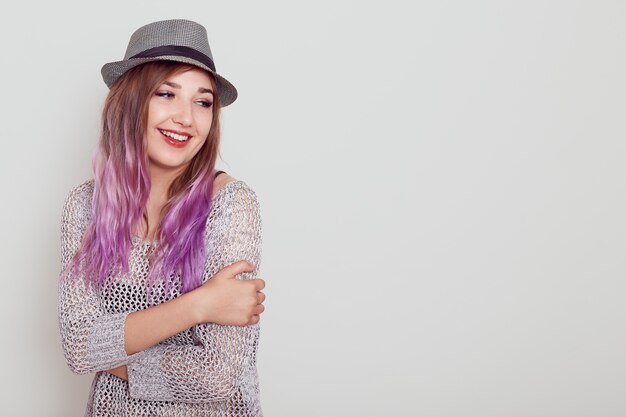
122	187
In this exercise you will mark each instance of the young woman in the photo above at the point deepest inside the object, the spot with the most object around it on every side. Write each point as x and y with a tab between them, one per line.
158	292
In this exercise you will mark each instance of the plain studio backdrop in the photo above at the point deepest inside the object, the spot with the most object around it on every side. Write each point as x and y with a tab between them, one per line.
442	186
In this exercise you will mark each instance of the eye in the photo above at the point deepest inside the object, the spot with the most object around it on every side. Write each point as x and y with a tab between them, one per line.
164	94
205	103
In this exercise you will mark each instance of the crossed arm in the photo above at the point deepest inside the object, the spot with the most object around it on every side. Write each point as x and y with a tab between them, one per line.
128	344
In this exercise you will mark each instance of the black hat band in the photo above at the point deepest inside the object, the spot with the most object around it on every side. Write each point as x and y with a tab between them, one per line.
175	50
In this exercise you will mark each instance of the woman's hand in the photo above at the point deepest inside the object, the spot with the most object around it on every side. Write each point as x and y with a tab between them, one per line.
222	300
225	300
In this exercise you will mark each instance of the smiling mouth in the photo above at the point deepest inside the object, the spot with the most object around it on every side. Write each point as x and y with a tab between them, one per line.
175	136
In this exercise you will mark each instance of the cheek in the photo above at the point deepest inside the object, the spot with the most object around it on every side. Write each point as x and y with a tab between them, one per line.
204	123
199	147
153	110
156	115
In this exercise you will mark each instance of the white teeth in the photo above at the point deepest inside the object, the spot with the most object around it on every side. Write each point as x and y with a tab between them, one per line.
180	138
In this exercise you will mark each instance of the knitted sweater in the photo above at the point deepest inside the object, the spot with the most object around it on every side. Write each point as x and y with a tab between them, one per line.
208	370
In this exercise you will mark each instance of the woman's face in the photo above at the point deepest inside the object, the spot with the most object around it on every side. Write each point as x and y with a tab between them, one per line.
180	115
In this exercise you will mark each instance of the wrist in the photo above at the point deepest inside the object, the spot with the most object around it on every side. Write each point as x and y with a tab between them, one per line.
200	302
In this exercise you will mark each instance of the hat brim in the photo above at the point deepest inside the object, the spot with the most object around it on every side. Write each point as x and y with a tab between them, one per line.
112	71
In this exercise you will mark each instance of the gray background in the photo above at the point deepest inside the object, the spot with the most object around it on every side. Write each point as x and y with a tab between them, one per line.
442	188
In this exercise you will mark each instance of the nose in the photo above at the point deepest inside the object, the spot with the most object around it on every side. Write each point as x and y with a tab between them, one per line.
182	115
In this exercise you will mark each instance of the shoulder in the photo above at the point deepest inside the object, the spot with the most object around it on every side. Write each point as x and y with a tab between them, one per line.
81	191
235	201
232	190
221	180
234	209
78	201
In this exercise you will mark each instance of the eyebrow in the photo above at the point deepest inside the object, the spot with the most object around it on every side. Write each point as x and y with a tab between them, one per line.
200	89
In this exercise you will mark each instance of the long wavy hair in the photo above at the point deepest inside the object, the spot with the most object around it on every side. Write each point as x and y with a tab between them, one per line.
122	186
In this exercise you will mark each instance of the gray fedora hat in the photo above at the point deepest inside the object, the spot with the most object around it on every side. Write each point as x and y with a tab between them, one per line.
177	40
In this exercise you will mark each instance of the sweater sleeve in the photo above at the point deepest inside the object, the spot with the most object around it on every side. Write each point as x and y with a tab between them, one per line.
92	340
222	357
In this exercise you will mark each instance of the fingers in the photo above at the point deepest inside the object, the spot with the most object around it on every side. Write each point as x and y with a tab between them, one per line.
258	283
258	309
246	295
237	268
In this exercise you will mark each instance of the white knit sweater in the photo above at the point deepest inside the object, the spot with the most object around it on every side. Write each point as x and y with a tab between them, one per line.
208	370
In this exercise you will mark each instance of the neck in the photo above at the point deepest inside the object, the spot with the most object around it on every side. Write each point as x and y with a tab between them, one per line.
160	181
